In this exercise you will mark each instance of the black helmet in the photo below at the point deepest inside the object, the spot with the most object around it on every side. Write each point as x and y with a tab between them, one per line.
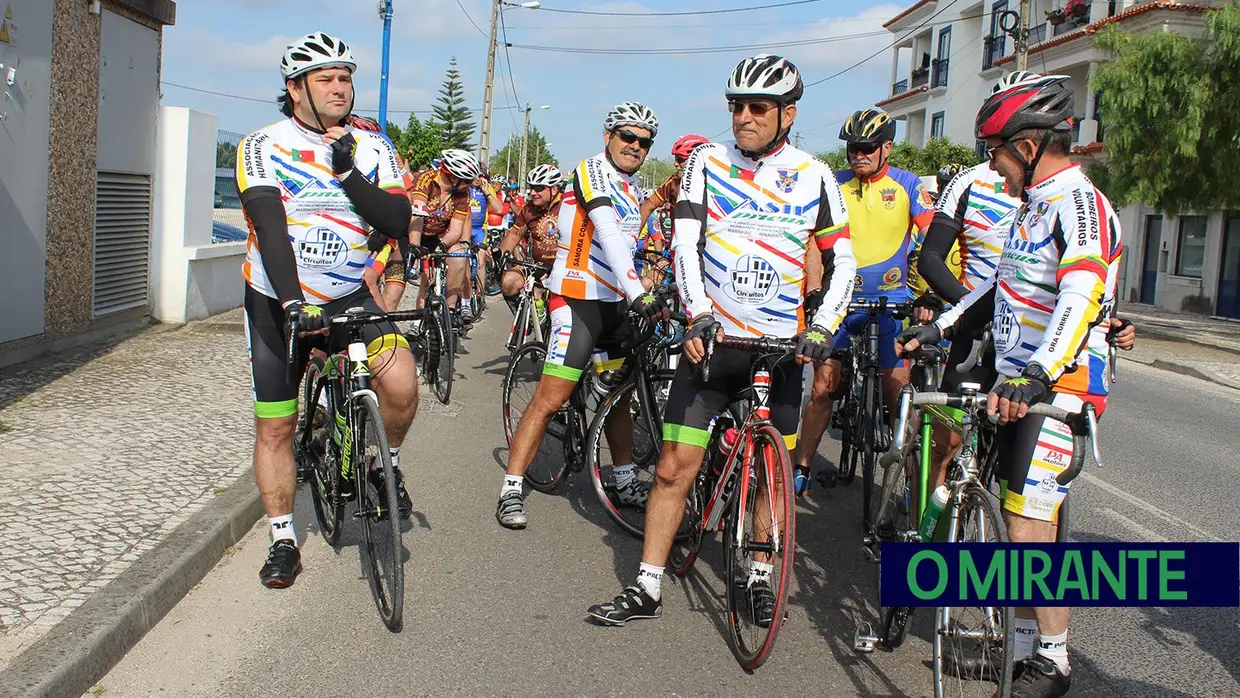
868	126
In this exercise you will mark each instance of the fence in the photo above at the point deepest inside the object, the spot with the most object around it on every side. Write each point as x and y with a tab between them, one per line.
228	222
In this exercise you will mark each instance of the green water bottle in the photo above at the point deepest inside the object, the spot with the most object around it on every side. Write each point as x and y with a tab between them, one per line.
934	509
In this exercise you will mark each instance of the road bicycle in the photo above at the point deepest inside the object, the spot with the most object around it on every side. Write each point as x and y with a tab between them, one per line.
435	342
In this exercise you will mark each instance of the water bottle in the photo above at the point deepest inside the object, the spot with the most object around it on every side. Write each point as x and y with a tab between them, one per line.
729	439
934	509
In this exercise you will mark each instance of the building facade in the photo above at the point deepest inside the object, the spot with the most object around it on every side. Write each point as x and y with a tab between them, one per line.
949	55
77	163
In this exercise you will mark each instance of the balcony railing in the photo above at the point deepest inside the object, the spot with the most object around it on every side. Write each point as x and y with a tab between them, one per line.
938	73
1037	34
919	79
1071	24
992	51
899	87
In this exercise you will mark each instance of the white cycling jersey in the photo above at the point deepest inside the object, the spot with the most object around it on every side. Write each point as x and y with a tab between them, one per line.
741	234
975	198
1056	284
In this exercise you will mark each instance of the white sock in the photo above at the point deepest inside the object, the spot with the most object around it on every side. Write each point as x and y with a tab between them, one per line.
650	578
512	483
466	304
624	473
760	571
1055	648
282	528
395	453
1026	634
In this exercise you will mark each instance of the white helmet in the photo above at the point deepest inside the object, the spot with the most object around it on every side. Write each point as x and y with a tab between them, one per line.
313	52
768	77
461	164
544	176
632	114
1019	77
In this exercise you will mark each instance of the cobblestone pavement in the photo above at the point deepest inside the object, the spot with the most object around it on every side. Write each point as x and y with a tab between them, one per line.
1184	327
103	453
1217	365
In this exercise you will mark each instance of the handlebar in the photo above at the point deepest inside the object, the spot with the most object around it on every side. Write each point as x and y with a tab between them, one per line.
751	345
349	318
881	305
1084	424
976	351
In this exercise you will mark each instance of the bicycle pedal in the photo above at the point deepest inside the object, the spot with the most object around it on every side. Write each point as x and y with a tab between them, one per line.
864	639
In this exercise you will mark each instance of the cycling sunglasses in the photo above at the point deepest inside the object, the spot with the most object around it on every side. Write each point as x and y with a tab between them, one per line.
755	108
864	148
538	188
630	138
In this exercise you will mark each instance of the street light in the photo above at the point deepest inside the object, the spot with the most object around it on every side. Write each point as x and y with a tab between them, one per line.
385	14
525	144
484	140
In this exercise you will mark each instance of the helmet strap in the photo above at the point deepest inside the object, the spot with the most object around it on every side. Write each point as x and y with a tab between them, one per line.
305	87
1030	165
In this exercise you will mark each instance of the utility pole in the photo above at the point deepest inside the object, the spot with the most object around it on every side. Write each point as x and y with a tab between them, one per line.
1016	25
484	141
385	13
525	141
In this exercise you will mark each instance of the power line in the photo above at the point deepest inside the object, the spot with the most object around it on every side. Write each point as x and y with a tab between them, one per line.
508	60
544	8
471	19
273	101
697	50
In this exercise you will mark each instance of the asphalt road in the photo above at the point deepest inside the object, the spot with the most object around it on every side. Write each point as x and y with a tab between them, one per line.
495	612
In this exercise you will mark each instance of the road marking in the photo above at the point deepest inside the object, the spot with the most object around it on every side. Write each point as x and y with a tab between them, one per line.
1137	501
1139	529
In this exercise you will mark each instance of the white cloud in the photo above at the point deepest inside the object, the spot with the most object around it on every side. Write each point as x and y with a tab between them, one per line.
197	51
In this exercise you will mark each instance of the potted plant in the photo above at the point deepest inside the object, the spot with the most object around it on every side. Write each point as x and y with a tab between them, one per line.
1076	9
921	72
1056	17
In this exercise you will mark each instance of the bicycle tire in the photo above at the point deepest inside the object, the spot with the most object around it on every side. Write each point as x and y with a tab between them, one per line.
768	444
379	516
899	492
646	459
444	372
984	670
549	466
870	411
478	299
324	480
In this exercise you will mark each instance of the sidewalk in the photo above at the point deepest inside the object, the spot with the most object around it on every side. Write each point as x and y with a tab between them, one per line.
1195	345
103	454
1214	332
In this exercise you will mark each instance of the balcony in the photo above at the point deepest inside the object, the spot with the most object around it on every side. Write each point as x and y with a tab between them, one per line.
921	76
1070	23
899	87
992	50
1037	34
938	72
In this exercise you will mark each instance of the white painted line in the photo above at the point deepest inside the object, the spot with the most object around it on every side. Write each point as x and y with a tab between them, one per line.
1143	531
1141	503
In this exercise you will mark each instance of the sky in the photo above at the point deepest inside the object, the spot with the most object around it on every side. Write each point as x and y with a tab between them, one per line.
234	47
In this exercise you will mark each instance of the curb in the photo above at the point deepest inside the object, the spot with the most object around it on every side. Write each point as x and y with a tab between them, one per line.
1173	367
1169	335
85	646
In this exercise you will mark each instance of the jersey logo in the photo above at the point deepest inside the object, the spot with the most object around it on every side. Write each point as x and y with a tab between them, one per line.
1006	328
926	199
752	281
889	198
321	250
891	279
786	180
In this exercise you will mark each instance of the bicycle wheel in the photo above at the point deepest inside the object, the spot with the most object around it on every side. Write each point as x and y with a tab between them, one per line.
763	529
899	492
384	556
646	431
973	646
311	451
478	298
869	427
447	344
549	466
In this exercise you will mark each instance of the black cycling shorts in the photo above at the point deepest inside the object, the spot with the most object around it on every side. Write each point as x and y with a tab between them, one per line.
274	395
583	332
691	404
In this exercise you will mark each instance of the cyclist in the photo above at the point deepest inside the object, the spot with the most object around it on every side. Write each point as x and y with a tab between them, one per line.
969	205
1053	290
593	283
750	285
884	205
304	260
536	228
664	196
441	211
483	202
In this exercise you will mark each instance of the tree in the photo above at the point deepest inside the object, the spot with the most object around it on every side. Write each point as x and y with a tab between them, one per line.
225	155
507	160
1172	115
393	132
654	171
451	120
920	161
418	143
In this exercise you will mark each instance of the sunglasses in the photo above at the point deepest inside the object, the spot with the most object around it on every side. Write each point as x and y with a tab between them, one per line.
755	108
863	148
536	188
630	138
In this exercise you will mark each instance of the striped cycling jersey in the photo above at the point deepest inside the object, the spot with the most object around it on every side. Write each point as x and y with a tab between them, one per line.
327	235
882	212
600	217
1056	282
743	229
975	198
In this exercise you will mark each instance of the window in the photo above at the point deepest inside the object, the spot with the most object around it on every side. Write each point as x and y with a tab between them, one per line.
936	125
993	45
1190	254
939	72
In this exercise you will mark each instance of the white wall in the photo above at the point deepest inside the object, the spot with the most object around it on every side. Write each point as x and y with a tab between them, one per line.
190	277
24	109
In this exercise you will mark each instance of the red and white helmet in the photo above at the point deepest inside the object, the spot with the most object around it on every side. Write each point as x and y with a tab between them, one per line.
685	145
1042	103
362	123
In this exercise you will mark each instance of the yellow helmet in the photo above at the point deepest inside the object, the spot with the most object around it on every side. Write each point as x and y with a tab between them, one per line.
868	126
